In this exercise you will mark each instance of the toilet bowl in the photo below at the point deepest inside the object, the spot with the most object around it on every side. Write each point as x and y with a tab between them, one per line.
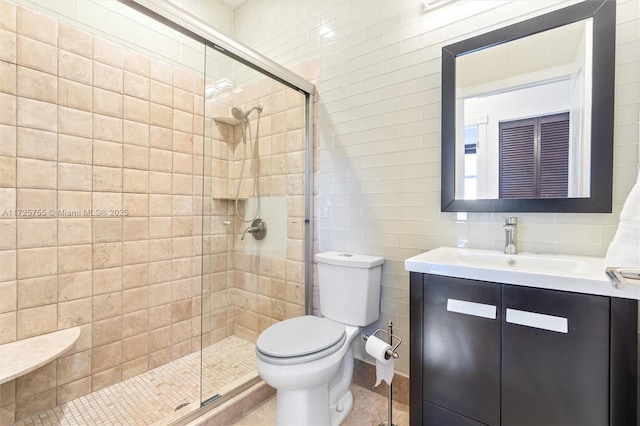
308	359
313	381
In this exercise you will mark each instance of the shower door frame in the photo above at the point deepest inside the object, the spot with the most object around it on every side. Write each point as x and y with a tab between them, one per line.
173	16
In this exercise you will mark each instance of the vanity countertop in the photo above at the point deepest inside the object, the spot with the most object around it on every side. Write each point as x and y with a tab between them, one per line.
578	274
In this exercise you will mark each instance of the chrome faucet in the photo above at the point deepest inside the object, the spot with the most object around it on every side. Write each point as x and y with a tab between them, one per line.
258	228
510	227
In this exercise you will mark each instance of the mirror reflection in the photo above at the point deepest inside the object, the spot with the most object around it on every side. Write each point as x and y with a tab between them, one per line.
523	117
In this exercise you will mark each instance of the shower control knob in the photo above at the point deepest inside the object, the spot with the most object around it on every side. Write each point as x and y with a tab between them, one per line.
226	222
339	408
258	229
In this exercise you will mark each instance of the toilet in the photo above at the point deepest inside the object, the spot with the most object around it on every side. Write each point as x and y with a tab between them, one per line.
308	359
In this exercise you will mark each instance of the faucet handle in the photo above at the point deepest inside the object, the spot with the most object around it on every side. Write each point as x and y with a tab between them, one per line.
258	229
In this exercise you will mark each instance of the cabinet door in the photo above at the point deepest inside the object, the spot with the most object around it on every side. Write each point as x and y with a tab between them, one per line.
461	346
555	358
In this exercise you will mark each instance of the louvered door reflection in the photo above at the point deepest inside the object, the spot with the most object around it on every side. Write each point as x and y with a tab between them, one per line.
534	157
517	159
554	156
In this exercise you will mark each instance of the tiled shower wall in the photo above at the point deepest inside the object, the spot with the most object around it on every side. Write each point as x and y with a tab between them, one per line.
106	146
262	289
270	289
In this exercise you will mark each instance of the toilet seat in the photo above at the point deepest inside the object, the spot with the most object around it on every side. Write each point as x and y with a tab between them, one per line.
300	339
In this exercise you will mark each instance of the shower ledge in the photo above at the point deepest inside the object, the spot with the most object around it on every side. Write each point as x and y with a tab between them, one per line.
23	356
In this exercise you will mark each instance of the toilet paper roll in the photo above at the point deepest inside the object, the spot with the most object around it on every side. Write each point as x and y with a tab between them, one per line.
384	367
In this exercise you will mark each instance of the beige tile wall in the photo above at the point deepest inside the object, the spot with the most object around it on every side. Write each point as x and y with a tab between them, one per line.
259	290
267	290
106	146
90	126
217	318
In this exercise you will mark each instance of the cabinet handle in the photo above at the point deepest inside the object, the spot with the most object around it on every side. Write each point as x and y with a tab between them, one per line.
542	321
471	308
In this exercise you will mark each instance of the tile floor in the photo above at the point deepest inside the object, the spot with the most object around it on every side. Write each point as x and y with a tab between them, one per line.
369	409
227	363
153	395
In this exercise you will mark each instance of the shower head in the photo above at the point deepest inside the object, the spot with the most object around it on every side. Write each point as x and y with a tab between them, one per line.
239	114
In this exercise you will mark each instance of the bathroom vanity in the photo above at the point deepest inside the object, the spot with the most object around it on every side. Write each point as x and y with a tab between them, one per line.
520	340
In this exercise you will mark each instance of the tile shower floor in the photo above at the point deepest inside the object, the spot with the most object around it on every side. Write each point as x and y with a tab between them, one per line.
149	397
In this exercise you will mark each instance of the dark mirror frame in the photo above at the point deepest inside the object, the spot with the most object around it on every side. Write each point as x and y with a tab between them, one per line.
603	13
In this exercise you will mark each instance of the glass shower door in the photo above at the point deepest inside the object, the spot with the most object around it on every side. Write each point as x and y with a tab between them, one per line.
254	210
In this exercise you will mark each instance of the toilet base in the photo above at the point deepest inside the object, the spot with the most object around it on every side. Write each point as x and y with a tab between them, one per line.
309	408
302	408
341	409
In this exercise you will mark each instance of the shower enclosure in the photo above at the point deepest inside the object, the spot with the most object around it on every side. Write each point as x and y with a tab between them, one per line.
254	249
185	139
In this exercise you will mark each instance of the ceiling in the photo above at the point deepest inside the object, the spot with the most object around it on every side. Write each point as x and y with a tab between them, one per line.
233	3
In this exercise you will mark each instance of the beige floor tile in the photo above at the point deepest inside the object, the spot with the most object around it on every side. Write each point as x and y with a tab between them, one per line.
151	396
155	394
369	409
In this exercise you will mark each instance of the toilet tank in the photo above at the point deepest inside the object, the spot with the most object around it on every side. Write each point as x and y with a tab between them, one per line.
349	287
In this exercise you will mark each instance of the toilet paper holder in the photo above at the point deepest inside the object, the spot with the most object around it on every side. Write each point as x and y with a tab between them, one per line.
390	352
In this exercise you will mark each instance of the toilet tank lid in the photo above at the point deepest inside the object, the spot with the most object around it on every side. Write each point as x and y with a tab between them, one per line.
349	259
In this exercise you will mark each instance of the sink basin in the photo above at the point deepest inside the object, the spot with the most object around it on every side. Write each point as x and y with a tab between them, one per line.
581	274
524	262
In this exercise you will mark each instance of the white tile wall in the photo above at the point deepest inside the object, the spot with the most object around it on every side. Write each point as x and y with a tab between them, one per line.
379	128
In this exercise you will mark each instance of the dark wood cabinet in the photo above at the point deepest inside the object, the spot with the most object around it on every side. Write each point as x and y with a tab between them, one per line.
433	415
462	328
495	354
552	375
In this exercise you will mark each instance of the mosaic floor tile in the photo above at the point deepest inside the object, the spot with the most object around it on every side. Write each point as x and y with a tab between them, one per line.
150	396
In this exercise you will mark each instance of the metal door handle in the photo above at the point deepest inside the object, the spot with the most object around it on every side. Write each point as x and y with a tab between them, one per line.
535	320
471	308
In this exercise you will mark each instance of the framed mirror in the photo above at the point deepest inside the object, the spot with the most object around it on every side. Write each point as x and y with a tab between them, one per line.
527	115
